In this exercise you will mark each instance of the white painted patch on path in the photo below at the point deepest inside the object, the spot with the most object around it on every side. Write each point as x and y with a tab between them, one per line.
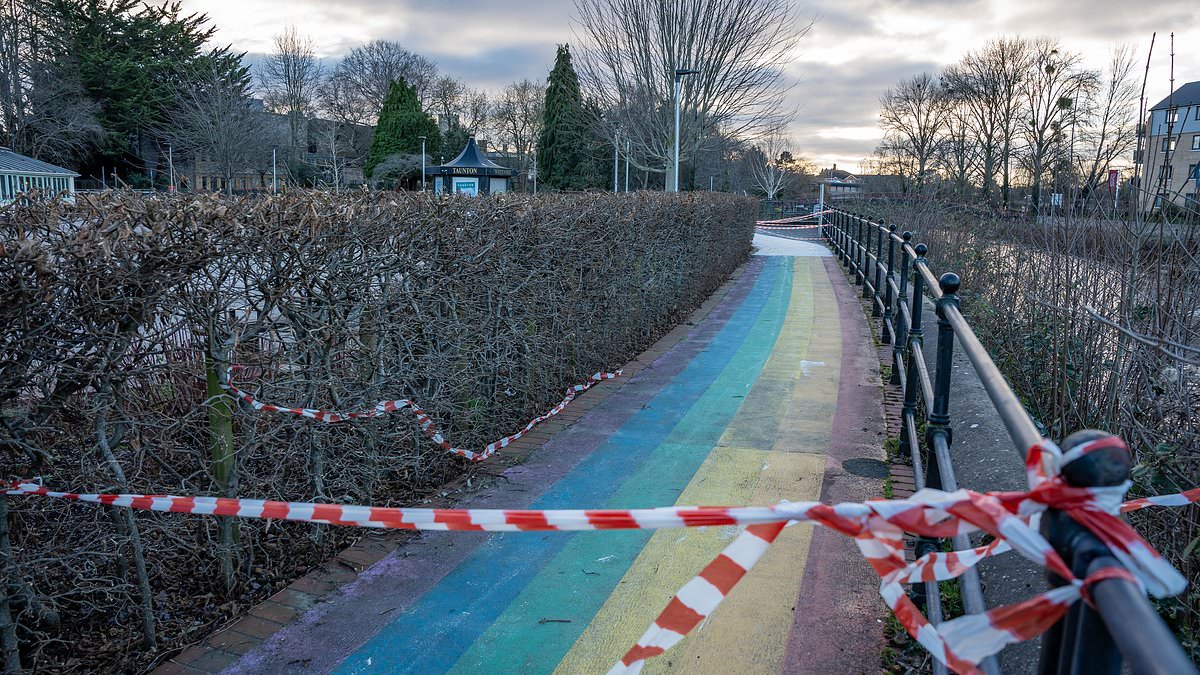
769	245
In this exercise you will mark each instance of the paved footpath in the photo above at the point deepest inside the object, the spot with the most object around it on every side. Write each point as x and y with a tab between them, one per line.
763	399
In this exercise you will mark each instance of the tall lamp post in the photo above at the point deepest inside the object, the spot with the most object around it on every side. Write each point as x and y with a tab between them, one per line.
171	168
274	173
679	74
423	163
616	157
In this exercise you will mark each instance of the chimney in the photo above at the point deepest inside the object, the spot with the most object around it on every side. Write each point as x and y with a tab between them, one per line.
835	166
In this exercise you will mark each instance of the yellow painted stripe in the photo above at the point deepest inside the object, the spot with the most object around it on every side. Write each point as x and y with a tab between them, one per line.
748	632
751	465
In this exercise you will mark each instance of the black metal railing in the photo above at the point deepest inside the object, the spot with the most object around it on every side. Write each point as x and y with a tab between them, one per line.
1120	624
776	209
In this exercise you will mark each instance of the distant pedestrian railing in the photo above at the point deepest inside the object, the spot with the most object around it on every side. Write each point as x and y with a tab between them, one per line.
1120	623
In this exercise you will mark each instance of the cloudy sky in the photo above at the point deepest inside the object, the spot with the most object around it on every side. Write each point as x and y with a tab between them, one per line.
856	49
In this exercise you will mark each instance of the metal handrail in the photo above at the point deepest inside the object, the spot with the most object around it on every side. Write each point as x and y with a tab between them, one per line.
1087	640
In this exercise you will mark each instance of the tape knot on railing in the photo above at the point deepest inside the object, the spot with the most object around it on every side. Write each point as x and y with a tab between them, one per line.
1085	586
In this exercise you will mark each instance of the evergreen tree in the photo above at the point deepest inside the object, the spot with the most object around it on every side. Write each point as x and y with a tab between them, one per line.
562	160
131	58
402	123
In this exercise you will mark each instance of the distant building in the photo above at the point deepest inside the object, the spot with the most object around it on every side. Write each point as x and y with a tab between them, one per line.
471	173
839	183
19	173
1170	148
327	153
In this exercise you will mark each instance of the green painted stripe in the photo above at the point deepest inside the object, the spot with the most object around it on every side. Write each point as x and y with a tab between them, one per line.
540	625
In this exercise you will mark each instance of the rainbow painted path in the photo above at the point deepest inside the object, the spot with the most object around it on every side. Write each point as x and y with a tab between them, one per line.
750	407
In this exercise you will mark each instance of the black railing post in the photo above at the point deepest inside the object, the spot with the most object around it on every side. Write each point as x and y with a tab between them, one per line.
885	335
939	412
913	343
841	236
856	247
858	250
845	220
867	226
879	235
901	342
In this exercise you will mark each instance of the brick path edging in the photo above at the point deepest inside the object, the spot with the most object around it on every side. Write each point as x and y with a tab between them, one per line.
227	645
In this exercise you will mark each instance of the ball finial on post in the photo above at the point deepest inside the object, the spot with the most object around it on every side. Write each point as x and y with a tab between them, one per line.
921	250
949	283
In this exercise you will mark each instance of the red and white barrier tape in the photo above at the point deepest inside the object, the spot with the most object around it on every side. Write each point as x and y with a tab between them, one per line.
423	419
784	222
878	528
964	642
787	227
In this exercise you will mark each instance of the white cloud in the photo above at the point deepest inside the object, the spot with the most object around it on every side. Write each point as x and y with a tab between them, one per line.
856	50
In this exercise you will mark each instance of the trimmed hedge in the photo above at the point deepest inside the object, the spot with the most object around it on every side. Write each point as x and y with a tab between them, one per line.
482	310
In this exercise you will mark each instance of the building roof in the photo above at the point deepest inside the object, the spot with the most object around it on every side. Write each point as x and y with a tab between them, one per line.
15	162
473	162
1188	94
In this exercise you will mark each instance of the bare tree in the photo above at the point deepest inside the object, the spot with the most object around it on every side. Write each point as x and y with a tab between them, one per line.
771	163
984	86
44	110
633	48
988	83
289	80
367	71
915	114
460	105
961	150
1111	118
1055	83
216	121
516	116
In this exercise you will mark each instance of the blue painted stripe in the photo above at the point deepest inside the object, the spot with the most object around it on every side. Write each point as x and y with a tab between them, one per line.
431	634
575	584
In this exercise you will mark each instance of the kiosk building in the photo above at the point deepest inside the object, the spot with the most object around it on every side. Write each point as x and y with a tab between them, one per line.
471	173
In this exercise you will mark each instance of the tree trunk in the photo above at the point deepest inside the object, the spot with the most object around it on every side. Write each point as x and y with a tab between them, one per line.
10	654
223	463
146	596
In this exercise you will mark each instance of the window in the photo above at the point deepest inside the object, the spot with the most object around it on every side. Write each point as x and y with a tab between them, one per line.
1196	142
1174	116
1165	142
1191	172
1166	171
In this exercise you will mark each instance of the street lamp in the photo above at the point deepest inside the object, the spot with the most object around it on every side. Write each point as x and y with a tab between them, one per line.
171	169
423	163
679	74
274	173
616	156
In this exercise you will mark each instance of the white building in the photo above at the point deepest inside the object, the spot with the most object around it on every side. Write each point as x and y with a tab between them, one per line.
19	173
1172	148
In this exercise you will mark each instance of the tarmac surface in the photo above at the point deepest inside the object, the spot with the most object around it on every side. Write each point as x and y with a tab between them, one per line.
772	395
